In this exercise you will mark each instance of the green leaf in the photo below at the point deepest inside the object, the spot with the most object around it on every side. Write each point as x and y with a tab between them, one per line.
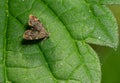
110	1
3	27
66	56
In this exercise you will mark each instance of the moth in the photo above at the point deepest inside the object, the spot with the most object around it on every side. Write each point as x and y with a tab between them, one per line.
37	31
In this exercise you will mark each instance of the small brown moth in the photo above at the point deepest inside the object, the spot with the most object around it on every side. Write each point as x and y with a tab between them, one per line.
37	32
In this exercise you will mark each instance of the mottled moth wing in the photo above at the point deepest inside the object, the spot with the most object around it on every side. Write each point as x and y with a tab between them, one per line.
37	32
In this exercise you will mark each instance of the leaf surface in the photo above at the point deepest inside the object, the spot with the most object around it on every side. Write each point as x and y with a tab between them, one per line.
66	56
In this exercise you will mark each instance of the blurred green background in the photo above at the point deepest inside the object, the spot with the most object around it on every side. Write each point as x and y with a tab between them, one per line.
110	58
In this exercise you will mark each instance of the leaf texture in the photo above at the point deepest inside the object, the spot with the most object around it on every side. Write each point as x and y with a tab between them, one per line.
66	56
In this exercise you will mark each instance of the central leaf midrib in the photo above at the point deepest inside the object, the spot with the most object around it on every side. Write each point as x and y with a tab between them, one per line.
47	62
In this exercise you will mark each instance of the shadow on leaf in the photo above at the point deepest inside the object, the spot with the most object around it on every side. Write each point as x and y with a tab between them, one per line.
30	42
